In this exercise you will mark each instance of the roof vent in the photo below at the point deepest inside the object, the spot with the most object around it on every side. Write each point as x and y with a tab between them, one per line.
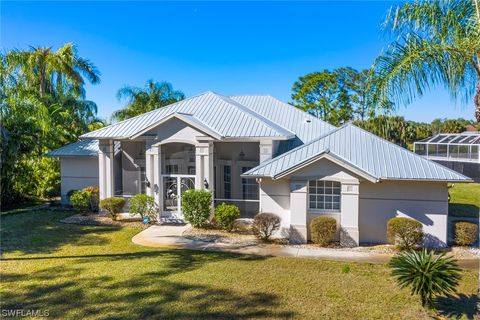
308	120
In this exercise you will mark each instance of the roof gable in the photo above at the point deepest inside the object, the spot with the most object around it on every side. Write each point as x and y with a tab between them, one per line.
219	113
373	155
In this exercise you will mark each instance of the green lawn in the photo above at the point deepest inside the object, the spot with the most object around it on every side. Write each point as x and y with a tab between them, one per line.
464	200
98	273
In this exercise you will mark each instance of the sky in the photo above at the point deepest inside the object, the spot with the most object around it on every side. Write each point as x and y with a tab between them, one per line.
226	47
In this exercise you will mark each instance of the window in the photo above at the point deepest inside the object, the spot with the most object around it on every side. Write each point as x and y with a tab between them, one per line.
249	187
227	182
324	195
171	169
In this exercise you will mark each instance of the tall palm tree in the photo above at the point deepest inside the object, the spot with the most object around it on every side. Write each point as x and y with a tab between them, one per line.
140	100
53	72
438	43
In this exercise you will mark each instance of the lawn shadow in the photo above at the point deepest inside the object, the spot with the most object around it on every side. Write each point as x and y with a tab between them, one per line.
74	290
40	232
457	306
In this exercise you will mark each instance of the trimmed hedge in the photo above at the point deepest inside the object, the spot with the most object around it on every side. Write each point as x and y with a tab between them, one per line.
85	200
265	224
405	233
465	233
196	206
113	206
322	230
225	216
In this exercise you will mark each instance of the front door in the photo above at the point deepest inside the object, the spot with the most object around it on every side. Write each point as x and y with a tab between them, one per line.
173	187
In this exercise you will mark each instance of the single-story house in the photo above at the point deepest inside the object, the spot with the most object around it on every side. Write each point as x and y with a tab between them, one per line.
263	155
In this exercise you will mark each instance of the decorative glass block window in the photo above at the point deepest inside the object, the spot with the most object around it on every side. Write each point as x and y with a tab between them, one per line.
324	195
249	187
227	182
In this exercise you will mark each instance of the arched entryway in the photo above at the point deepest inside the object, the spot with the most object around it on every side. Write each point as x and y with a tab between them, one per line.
178	175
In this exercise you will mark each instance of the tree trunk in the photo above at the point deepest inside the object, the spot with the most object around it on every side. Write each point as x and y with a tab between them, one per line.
476	101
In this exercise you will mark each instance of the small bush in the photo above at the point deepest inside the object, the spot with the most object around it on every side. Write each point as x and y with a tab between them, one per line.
94	197
113	206
265	224
345	268
405	233
466	233
225	216
144	205
80	200
322	230
69	194
196	206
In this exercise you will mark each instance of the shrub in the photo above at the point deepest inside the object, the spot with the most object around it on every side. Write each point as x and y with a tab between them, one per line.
80	200
196	206
225	216
94	197
113	206
322	230
465	233
144	205
405	233
426	273
265	224
69	194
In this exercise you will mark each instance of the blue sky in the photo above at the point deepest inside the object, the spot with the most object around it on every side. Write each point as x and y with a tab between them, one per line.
229	48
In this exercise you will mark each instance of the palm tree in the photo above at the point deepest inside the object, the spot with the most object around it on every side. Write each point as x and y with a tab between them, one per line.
155	95
438	43
53	72
426	273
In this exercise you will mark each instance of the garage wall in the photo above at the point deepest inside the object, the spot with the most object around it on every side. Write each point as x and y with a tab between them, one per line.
77	173
426	202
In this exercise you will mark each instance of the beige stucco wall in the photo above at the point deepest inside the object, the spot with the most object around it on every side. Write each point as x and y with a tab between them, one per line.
426	202
77	173
366	207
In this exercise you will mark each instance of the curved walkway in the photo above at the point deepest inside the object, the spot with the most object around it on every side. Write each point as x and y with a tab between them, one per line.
172	236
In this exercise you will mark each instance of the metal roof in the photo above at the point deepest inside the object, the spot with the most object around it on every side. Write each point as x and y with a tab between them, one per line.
362	150
305	126
83	148
223	115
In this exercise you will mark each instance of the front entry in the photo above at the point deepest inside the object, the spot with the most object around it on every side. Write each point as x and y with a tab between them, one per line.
173	187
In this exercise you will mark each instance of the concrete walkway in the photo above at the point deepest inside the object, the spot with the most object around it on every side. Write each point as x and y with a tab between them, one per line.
171	236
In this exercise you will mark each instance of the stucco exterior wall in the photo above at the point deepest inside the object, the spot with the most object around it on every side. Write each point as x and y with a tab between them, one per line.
426	202
275	198
77	173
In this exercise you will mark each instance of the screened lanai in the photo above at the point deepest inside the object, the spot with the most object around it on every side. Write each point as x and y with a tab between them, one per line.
457	151
463	147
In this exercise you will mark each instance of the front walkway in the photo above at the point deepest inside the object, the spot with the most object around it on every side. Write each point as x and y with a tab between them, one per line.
172	236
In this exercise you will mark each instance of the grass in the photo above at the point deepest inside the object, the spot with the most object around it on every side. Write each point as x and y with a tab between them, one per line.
464	200
22	206
98	273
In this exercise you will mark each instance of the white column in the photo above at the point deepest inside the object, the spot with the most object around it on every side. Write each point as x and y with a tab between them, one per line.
105	169
266	150
204	166
157	174
149	171
349	232
298	211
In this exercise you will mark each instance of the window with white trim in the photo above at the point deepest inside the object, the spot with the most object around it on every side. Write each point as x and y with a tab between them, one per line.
249	187
324	195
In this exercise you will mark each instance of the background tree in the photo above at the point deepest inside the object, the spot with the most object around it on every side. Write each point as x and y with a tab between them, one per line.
338	96
437	43
43	106
140	100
